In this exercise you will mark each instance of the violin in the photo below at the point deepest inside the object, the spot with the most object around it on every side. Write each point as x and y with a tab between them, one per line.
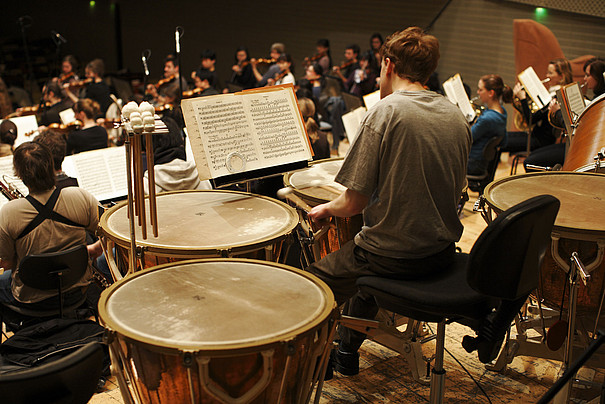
308	61
192	93
25	111
59	127
164	81
344	65
163	108
281	75
74	85
64	77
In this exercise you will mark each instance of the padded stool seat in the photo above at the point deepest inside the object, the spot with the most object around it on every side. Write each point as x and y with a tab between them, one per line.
432	299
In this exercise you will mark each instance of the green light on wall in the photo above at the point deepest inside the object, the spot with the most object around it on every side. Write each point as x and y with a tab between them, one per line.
92	3
540	13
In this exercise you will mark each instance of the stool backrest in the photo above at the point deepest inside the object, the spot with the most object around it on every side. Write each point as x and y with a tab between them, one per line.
505	260
42	271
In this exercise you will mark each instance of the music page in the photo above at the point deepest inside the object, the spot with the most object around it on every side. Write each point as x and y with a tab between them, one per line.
534	87
101	172
574	97
27	128
454	90
245	131
8	177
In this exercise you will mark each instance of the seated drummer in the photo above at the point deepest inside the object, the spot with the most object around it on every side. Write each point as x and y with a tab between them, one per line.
19	236
399	176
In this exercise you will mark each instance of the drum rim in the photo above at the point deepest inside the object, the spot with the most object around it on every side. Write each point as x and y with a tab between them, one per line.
590	105
192	250
576	232
112	328
307	196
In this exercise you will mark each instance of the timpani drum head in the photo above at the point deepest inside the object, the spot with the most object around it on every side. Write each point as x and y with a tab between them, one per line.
215	304
206	220
582	196
316	184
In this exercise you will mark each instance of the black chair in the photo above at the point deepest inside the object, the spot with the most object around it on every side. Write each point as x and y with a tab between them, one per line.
52	271
72	379
498	274
491	154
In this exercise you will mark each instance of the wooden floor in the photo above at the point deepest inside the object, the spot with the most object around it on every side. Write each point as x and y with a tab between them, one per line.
385	376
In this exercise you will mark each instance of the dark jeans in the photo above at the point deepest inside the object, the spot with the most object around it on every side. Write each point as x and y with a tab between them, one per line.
341	269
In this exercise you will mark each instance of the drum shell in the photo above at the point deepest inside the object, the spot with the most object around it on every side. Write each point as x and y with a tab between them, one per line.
346	227
170	374
572	237
588	136
152	254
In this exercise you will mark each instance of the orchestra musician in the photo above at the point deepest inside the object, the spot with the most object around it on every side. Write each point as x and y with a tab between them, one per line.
363	79
277	49
242	69
542	133
398	147
97	89
285	74
75	211
376	42
8	135
91	136
319	139
52	95
551	155
209	64
57	145
322	57
492	122
168	83
69	66
349	65
204	84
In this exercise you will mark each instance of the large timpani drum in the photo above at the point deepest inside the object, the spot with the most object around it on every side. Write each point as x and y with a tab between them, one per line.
579	227
203	224
219	331
588	138
315	185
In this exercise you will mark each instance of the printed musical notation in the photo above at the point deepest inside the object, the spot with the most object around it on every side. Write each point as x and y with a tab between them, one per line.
263	127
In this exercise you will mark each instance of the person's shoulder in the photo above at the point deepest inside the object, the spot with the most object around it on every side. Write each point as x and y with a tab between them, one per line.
77	193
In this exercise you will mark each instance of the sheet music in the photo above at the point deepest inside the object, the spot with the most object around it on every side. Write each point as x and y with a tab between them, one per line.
101	172
534	87
352	121
371	99
27	128
7	175
574	98
245	131
454	89
67	116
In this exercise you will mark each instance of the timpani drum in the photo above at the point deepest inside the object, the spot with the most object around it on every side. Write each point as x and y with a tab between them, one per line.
579	227
219	331
203	224
315	185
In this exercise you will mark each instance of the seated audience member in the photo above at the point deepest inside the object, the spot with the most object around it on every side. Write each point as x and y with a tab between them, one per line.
319	140
172	171
492	121
52	94
57	145
75	211
91	136
8	135
401	139
363	79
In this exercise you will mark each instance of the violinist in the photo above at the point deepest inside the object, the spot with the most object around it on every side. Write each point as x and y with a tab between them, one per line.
277	49
376	42
91	136
69	65
322	57
285	75
97	90
363	79
242	70
203	81
172	99
52	95
171	79
349	65
209	64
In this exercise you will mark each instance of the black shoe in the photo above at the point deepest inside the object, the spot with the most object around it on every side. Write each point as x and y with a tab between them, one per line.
346	363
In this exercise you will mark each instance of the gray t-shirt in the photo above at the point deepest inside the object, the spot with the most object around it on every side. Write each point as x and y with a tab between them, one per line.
410	158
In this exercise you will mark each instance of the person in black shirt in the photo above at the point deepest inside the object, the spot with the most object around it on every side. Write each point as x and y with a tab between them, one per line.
53	96
91	136
98	90
57	145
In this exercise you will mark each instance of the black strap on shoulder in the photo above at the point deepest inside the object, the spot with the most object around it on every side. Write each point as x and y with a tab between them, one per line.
46	212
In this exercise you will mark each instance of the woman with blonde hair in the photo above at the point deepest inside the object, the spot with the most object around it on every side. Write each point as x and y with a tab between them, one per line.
319	140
